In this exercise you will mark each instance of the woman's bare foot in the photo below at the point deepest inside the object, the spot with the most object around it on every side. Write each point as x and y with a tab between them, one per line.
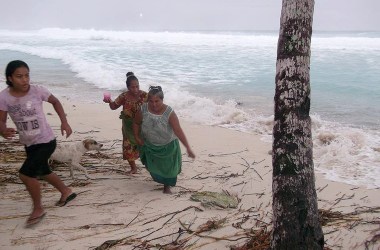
167	190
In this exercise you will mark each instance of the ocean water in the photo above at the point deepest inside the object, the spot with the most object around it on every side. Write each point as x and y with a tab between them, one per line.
225	79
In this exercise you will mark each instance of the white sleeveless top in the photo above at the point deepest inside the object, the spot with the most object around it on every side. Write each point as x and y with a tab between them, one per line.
156	128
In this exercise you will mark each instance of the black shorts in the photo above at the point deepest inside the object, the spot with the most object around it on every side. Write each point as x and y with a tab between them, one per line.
37	157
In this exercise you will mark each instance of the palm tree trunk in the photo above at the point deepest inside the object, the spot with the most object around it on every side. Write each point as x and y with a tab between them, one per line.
295	209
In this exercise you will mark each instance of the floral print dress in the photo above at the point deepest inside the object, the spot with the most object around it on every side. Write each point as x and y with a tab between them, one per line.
130	107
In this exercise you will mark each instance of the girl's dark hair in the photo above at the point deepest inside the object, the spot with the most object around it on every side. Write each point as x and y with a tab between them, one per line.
130	77
11	68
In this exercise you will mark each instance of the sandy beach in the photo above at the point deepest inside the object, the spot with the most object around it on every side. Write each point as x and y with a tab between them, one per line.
119	211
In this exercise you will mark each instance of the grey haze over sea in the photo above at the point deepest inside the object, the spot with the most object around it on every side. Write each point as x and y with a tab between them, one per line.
225	79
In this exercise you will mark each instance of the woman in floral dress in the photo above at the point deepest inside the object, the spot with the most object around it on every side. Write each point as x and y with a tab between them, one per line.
131	101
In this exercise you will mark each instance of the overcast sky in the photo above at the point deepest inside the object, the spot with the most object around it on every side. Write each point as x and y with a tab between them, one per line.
181	14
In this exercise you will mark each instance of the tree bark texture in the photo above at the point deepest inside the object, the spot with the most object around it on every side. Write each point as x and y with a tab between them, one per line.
295	209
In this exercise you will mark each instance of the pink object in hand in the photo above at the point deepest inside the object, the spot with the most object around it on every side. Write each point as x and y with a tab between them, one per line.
106	96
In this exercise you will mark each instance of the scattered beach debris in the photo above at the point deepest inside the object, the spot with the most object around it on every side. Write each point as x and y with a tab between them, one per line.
248	228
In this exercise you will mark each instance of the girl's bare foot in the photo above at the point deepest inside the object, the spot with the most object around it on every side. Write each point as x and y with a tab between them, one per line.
37	213
32	220
167	190
65	194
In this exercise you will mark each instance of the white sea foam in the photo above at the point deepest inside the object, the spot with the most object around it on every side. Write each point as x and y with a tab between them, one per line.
346	154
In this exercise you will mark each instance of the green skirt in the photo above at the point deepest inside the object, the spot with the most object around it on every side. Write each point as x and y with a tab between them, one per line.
163	162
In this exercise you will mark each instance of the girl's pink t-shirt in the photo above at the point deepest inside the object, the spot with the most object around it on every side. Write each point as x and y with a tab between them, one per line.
27	114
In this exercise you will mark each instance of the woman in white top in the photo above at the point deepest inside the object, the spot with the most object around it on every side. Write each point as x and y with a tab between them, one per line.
157	130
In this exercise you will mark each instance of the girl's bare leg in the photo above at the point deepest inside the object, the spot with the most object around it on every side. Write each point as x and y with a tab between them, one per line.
56	182
34	189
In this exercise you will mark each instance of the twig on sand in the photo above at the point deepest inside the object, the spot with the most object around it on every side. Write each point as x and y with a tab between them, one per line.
252	167
321	189
213	155
88	132
247	165
258	194
89	226
240	183
114	143
343	197
209	226
372	241
109	203
173	214
179	232
110	243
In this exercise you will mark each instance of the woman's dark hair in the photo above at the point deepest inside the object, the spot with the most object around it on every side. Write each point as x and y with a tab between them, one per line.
11	68
156	91
130	77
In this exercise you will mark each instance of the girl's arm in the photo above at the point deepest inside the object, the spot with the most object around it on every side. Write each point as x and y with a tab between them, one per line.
174	122
7	133
65	127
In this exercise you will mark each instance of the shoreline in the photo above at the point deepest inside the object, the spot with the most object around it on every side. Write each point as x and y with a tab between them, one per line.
114	206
